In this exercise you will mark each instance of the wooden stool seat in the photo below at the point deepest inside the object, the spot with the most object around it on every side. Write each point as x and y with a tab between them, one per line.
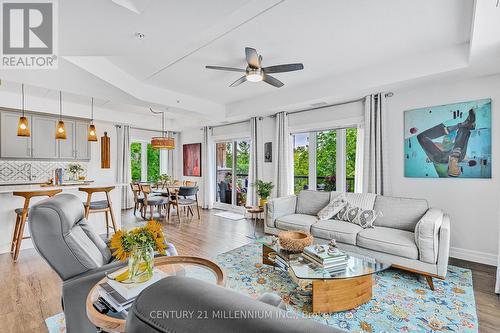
22	217
99	206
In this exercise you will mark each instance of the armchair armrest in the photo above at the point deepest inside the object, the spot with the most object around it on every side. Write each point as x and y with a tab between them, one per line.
278	207
427	235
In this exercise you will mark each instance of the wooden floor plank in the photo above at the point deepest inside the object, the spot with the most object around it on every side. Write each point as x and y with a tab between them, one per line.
30	290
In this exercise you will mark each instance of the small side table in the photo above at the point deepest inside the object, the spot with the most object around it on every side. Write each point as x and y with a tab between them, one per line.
254	212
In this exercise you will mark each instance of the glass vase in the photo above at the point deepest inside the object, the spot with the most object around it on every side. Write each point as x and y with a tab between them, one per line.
140	264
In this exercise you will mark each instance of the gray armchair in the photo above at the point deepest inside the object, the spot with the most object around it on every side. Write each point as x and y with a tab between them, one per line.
62	236
187	305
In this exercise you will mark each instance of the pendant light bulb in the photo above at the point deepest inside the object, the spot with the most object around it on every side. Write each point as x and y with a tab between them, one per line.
92	133
23	124
60	129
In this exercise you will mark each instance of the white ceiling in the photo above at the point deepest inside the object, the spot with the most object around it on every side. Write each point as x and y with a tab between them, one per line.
347	47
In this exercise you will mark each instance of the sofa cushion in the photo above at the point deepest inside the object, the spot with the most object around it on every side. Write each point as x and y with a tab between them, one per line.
400	213
311	202
388	240
361	200
333	207
296	222
341	231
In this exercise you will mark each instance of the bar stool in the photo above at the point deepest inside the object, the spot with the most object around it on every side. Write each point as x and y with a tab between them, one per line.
22	217
100	206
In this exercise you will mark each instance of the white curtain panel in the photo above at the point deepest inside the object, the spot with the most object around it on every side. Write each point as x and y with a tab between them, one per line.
253	162
123	172
283	173
358	167
207	161
374	155
170	157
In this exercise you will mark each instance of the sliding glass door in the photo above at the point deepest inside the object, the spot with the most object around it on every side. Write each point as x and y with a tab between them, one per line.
231	165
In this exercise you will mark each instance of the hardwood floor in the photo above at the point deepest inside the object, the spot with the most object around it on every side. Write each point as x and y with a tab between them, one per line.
30	290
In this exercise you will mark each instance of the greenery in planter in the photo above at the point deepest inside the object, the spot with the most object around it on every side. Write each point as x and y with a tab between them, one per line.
263	188
75	169
165	178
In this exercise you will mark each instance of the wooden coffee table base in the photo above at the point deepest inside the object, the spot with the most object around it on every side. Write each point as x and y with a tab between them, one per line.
341	294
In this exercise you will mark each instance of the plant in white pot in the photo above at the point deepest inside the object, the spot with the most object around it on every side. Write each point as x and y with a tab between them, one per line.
263	191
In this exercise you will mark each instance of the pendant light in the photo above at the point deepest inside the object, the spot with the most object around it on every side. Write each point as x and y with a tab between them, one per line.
92	135
164	141
60	129
23	125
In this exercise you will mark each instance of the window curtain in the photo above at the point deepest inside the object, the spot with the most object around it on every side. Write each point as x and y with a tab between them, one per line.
170	157
207	161
253	173
123	172
283	166
358	166
374	155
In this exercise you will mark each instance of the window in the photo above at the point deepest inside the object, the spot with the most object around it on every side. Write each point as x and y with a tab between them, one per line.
144	162
325	160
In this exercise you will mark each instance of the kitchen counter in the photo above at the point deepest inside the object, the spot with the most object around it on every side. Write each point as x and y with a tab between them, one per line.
9	202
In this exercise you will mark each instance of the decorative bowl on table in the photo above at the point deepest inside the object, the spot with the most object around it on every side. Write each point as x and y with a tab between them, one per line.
294	241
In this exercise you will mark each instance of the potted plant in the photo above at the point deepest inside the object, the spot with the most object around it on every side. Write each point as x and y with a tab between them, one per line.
263	191
74	170
138	245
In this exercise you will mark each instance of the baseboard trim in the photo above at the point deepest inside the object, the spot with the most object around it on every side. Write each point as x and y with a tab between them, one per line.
475	256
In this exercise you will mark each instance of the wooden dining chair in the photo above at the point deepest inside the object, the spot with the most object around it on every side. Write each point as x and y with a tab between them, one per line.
22	217
138	198
152	201
100	206
184	197
190	183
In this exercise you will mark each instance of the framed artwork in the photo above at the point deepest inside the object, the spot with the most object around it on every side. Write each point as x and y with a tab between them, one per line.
268	152
452	140
191	159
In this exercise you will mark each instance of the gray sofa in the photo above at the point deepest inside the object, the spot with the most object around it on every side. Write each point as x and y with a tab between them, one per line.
409	235
187	305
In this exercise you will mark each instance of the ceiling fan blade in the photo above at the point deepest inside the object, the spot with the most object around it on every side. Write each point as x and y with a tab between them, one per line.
252	57
230	69
283	68
273	81
239	81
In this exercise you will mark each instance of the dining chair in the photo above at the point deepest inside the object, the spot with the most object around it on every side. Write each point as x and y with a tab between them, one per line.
138	197
184	197
151	201
190	183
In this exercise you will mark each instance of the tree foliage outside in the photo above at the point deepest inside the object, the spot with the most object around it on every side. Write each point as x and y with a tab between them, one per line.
135	161
153	163
326	160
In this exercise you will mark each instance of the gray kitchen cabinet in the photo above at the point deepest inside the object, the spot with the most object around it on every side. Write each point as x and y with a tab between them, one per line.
67	147
82	144
43	137
13	146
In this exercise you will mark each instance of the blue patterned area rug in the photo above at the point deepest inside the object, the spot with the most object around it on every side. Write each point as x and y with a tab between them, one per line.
402	302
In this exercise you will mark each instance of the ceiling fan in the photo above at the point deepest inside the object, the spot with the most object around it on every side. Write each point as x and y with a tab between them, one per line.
256	73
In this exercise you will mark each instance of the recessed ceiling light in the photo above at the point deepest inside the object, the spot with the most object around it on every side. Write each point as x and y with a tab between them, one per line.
140	35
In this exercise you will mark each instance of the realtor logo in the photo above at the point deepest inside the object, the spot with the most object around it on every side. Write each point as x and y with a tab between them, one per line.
29	34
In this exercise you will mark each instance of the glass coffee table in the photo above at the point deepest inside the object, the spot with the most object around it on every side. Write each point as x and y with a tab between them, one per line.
331	292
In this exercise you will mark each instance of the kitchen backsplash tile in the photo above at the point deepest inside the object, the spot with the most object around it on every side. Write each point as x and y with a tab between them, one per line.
15	171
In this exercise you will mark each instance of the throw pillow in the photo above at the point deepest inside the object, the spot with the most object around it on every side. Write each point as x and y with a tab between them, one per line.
332	208
342	212
365	218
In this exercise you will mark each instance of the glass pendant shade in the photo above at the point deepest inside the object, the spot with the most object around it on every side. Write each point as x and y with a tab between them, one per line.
23	127
60	130
161	142
92	135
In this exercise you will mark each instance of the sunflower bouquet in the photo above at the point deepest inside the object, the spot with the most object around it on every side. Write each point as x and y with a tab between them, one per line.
138	245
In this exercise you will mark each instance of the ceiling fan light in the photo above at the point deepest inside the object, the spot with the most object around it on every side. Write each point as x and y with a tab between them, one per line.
23	127
92	135
60	130
254	77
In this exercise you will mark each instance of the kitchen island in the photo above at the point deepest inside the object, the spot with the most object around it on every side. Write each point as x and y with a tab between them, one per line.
9	202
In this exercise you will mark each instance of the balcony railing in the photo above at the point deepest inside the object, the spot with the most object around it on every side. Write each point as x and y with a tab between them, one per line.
302	183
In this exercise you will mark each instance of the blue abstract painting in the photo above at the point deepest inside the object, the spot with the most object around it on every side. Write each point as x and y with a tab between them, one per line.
452	140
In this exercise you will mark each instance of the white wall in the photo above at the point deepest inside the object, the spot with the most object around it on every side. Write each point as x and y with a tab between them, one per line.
472	203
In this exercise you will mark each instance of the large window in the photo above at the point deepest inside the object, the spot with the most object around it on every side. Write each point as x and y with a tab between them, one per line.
144	161
325	160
